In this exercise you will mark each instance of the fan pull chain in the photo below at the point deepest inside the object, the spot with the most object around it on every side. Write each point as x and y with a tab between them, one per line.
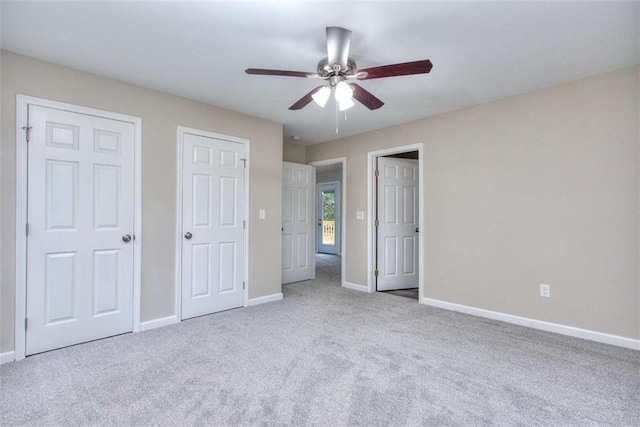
337	118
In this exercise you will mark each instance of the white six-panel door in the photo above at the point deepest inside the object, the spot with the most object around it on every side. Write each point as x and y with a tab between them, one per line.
397	210
298	231
80	216
213	195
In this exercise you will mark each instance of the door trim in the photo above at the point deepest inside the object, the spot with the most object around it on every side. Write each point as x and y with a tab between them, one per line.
22	105
371	203
181	131
343	208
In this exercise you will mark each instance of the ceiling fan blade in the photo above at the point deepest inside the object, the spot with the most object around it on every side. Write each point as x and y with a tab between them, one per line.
302	102
365	97
338	45
403	69
264	72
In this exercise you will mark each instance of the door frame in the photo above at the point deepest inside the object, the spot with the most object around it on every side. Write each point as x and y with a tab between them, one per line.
22	157
343	209
372	157
181	131
338	214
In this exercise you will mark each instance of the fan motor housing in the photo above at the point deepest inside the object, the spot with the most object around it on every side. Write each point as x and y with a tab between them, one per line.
325	70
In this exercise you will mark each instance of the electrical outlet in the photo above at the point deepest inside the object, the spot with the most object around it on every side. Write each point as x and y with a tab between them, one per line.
545	290
360	215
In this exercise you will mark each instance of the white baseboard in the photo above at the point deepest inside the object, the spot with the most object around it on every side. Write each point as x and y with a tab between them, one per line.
265	299
537	324
355	286
6	357
158	323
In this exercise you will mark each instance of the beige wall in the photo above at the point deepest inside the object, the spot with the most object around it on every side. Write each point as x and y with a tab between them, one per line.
538	188
293	153
332	175
161	113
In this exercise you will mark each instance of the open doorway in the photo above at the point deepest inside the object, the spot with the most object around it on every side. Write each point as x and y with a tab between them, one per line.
330	183
395	201
397	224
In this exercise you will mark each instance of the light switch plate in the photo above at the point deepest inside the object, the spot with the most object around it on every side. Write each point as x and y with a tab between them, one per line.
262	214
360	215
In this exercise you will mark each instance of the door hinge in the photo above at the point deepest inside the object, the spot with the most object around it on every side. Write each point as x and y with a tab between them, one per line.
377	172
28	131
26	229
244	224
244	285
377	223
376	273
25	323
244	162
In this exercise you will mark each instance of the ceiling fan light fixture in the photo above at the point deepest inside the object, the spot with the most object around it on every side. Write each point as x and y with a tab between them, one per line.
344	96
345	104
344	92
321	96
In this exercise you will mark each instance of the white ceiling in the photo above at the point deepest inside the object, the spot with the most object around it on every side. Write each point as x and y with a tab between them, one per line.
481	50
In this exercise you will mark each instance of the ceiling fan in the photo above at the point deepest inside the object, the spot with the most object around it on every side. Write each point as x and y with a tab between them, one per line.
338	67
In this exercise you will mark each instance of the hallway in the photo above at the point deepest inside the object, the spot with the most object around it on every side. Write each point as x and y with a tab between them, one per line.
328	269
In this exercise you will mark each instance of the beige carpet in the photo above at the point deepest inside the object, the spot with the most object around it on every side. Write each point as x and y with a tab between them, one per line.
326	355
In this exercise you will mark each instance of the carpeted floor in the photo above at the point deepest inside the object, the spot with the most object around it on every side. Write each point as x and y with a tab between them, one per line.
326	355
328	269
